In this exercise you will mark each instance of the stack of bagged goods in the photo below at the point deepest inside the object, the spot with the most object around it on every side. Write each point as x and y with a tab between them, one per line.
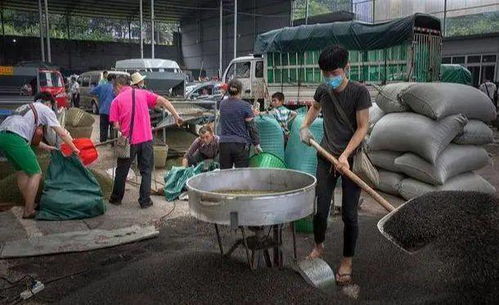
79	123
428	137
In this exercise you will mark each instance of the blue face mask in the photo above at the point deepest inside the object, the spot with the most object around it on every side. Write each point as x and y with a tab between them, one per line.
334	81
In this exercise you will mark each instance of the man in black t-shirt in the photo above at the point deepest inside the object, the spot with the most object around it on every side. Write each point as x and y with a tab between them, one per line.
341	139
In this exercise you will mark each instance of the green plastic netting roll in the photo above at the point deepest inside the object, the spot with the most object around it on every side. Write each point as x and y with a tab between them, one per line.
298	155
271	135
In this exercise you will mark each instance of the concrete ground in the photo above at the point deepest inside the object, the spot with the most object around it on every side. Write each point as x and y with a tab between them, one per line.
56	236
183	266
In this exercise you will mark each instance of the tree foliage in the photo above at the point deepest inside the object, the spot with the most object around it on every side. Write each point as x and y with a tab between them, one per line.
21	23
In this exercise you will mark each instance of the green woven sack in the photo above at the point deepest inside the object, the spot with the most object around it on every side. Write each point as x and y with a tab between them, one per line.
298	155
70	191
271	135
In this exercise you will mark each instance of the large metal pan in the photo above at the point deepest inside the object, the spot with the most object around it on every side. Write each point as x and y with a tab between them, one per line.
287	195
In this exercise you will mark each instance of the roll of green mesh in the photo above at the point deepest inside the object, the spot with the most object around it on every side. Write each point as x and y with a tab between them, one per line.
266	160
271	135
299	156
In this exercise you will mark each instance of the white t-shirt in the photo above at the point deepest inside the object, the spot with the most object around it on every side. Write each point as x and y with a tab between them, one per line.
23	123
75	88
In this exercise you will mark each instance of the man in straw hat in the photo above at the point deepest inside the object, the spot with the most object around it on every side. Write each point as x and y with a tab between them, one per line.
138	80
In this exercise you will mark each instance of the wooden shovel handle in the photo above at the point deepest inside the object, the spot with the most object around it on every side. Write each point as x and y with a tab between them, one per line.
377	197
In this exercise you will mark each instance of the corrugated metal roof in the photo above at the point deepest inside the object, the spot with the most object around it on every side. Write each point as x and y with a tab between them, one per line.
164	10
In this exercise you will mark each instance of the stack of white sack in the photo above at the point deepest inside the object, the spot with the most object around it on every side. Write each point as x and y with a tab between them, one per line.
428	137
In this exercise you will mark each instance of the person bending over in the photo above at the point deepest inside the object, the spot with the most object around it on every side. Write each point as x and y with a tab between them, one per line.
16	133
205	147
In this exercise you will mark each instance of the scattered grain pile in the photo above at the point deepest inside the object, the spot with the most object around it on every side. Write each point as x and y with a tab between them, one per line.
463	230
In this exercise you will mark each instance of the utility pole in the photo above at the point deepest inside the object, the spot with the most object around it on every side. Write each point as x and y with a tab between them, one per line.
49	56
235	28
306	11
152	28
141	31
220	42
445	17
40	26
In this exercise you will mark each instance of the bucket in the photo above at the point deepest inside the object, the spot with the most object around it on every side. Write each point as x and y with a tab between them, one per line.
304	225
160	154
266	160
88	152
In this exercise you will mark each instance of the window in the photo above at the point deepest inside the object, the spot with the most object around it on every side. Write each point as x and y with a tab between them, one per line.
85	82
230	72
243	69
489	58
259	69
458	60
474	59
50	79
446	60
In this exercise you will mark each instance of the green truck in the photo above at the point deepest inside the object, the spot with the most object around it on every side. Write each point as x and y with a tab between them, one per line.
406	49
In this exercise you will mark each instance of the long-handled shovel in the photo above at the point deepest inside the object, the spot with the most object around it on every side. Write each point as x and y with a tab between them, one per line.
316	271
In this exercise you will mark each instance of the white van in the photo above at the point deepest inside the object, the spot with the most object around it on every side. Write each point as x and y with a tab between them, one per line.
88	81
163	76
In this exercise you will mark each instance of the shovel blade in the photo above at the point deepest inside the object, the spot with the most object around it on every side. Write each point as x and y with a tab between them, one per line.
381	227
317	273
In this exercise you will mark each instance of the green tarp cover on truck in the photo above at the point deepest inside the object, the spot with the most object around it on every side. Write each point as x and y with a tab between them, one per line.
353	35
455	74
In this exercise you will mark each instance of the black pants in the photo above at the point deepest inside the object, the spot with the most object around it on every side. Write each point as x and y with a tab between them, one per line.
106	129
326	181
75	98
234	154
145	159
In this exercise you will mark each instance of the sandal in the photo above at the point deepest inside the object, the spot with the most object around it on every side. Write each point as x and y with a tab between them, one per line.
346	282
29	216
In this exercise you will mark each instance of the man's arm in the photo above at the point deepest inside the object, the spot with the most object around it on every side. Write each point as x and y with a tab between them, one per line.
362	118
312	114
192	149
66	137
95	91
163	102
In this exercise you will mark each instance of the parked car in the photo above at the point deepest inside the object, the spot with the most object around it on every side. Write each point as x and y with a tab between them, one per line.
204	90
88	81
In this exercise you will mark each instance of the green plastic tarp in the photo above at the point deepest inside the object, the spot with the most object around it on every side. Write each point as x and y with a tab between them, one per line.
455	74
353	35
70	191
176	178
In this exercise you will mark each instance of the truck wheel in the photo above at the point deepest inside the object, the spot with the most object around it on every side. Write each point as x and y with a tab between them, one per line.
95	108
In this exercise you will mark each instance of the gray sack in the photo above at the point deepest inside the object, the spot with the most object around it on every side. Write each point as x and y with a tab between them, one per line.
375	114
411	132
388	98
439	100
411	188
385	159
475	133
389	182
454	160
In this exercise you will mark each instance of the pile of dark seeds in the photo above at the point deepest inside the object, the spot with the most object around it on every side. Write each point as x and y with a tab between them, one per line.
463	230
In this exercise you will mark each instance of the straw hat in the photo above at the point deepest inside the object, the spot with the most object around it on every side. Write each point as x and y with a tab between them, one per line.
137	78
